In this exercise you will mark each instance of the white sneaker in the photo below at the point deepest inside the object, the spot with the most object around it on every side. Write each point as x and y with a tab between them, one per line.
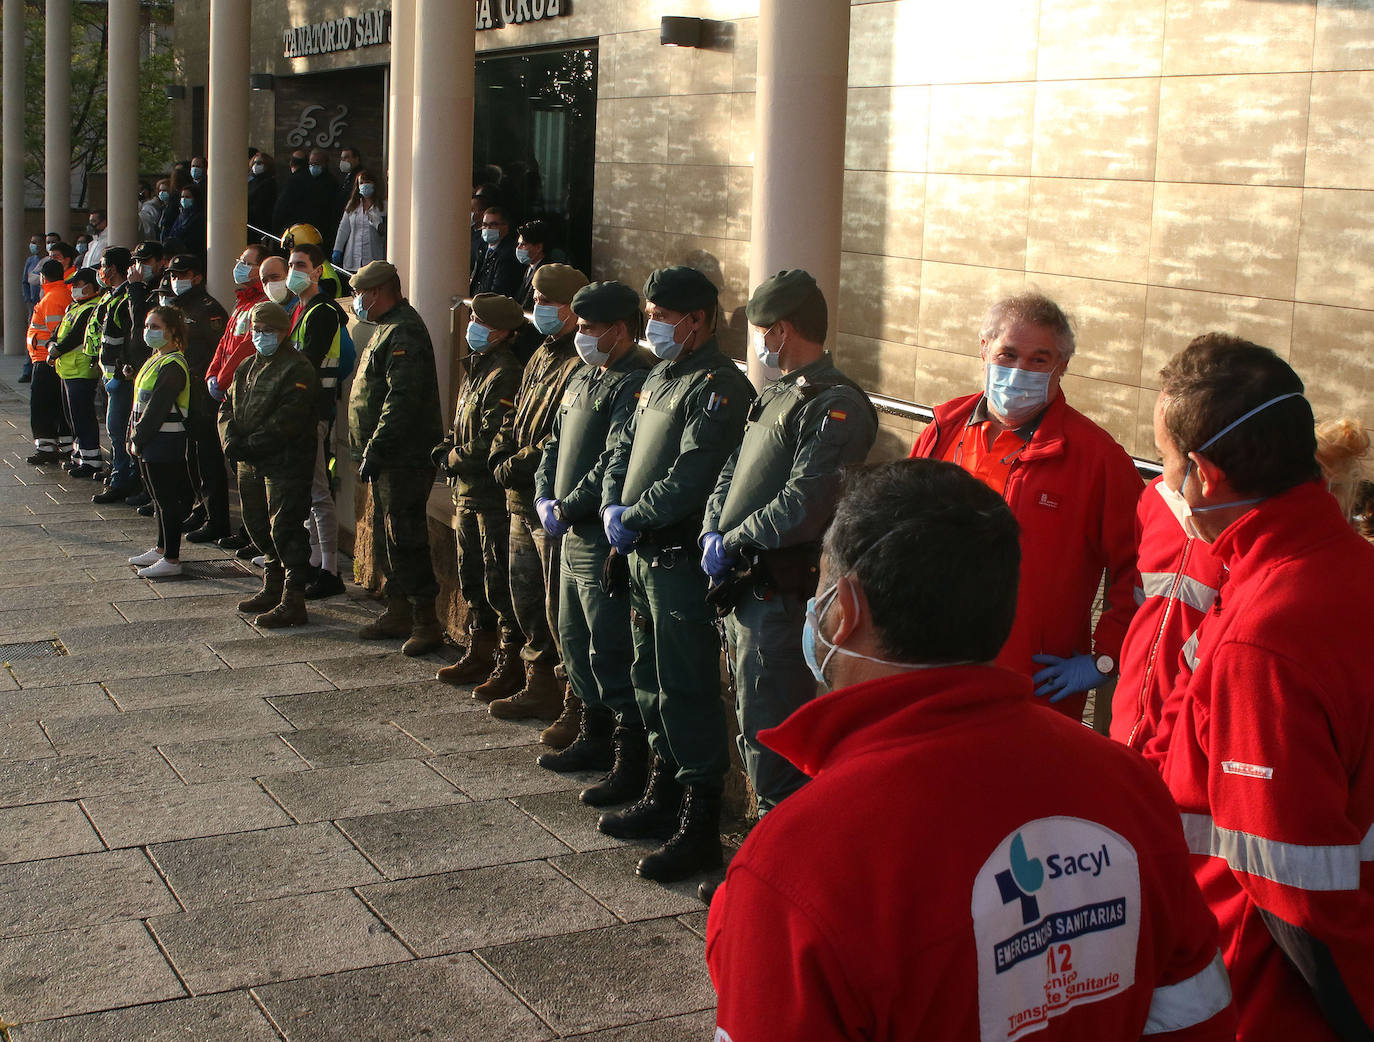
260	561
163	569
146	558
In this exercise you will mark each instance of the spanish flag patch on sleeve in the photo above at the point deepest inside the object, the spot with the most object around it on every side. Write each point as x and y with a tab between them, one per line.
508	403
302	387
839	415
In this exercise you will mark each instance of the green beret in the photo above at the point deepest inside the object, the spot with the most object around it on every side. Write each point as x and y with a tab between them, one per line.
497	311
371	274
272	315
606	302
780	297
681	289
558	282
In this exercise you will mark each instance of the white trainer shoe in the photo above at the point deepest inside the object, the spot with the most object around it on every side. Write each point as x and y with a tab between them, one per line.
146	558
163	569
260	561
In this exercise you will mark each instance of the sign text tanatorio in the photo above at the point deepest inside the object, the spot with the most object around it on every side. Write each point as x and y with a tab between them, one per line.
338	34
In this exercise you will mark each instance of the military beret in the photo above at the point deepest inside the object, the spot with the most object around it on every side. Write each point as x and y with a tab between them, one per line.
272	315
497	311
680	288
780	296
373	274
116	257
558	282
606	302
86	275
186	262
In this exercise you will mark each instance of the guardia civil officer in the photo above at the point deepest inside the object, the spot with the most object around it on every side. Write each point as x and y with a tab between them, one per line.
761	539
690	416
594	621
484	404
393	423
515	455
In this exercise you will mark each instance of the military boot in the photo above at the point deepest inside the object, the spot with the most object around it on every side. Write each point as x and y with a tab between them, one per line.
426	633
628	772
655	815
393	622
564	731
695	847
477	662
290	612
273	581
507	676
591	750
540	698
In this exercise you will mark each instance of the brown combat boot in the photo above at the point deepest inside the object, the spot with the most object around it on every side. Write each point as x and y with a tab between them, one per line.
477	662
541	697
269	596
393	622
290	612
426	632
563	732
507	676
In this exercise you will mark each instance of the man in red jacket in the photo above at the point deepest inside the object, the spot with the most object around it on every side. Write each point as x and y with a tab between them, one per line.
1269	749
1071	486
236	343
1050	898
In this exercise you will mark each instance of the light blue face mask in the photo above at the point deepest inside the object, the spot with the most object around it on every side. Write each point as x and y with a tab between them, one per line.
187	202
660	336
768	359
358	308
266	343
478	336
1017	394
491	235
366	188
243	273
155	338
589	349
315	170
546	319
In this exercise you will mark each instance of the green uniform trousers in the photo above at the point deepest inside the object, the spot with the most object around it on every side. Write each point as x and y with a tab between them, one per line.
483	576
400	519
275	507
594	630
533	573
676	669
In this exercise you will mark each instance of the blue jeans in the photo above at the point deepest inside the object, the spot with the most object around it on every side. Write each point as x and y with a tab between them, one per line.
122	471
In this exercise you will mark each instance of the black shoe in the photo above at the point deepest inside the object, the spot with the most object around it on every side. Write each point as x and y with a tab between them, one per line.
206	533
591	750
237	541
42	459
656	814
26	378
708	889
146	510
325	584
628	774
247	553
193	521
113	494
139	498
84	471
695	847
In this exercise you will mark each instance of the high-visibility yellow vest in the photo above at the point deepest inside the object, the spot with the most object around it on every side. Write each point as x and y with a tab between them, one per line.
147	380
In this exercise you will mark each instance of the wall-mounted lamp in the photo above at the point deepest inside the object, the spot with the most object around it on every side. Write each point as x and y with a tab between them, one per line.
261	81
175	91
679	31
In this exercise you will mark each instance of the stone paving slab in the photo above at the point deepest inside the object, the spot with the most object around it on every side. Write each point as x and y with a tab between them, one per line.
447	839
52	703
80	971
571	820
472	728
81	890
609	876
308	644
26	574
215	685
141	727
84	592
338	746
79	639
193	811
460	911
220	759
118	664
47	620
690	1027
454	997
24	740
642	971
258	866
486	774
234	1017
377	705
371	670
235	946
71	777
357	790
46	830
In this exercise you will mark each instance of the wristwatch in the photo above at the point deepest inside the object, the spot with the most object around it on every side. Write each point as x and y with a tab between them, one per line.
558	512
1106	665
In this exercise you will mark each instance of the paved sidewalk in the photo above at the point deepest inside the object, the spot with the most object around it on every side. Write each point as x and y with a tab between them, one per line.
210	832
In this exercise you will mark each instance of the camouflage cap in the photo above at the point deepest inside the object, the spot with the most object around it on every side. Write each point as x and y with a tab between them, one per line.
558	282
780	297
606	302
497	311
372	274
272	315
681	289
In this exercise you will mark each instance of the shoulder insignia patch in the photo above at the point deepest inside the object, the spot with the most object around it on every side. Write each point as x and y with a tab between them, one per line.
839	415
398	353
302	387
714	401
508	403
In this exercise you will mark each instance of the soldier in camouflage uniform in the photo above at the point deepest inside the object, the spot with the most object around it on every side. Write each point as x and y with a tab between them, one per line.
515	456
485	403
773	501
394	422
690	415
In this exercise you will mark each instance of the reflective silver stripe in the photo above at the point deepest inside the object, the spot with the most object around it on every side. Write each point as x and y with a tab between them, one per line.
112	341
1193	1001
1157	584
1139	596
1367	845
1190	651
329	381
1196	594
1312	868
172	425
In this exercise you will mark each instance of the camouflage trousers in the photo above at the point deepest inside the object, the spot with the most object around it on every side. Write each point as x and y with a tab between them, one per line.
534	588
483	577
400	520
274	511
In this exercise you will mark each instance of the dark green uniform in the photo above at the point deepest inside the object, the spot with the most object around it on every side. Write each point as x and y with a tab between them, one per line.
484	403
689	418
394	422
592	627
267	426
515	456
773	501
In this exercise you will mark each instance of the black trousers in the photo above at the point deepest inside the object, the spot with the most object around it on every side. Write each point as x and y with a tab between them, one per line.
78	400
51	432
172	502
206	469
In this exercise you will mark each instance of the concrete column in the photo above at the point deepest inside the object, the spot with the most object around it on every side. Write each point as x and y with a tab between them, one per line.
227	218
57	119
401	119
121	166
799	110
441	153
12	177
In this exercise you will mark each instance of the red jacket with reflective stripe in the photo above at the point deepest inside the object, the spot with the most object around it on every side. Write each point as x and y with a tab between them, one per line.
1178	583
1269	753
859	908
1074	491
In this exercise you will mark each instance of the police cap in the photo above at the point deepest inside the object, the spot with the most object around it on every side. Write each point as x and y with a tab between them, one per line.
680	288
780	297
558	282
606	302
186	262
497	311
148	250
86	275
372	274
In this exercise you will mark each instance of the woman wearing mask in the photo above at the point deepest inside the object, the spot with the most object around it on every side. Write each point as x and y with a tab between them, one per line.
188	230
162	401
361	231
262	193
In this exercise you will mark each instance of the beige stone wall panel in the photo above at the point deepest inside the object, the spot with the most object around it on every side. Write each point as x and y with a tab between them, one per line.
697	199
1344	35
1174	316
1109	322
981	128
1089	228
1203	37
1331	351
977	220
1336	255
880	297
698	130
887	128
1111	405
1101	39
1096	128
640	130
953	299
1340	130
875	362
942	375
884	213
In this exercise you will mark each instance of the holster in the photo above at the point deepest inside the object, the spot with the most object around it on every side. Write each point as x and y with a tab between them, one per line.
615	574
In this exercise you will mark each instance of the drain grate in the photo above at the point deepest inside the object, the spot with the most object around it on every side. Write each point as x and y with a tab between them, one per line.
215	569
31	649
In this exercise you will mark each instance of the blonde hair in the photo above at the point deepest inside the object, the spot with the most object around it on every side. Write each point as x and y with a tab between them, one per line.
1341	447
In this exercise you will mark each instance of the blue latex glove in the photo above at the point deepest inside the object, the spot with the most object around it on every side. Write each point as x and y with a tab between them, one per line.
545	509
112	384
367	470
715	562
337	256
213	386
620	537
1063	677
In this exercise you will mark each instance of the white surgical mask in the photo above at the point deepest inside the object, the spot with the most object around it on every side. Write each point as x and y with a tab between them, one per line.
768	359
259	169
276	291
81	247
197	174
366	189
478	336
359	309
266	342
155	338
345	166
316	170
660	337
80	293
589	349
180	286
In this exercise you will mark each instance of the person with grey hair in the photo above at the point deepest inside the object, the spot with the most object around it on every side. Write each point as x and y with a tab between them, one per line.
1071	486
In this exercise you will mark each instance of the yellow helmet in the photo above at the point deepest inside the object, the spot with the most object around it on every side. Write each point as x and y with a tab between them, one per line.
298	234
